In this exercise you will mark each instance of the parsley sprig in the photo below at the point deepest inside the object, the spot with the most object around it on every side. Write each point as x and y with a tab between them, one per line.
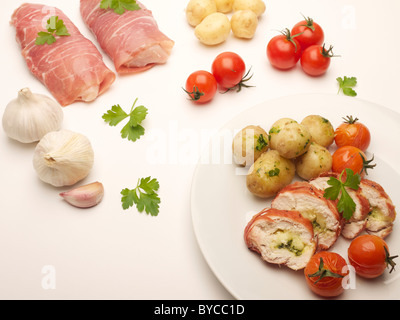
144	196
133	129
120	6
346	85
346	204
55	27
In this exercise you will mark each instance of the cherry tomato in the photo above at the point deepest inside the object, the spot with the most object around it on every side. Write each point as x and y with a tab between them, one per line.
349	157
228	69
310	33
369	255
352	133
316	60
201	86
284	51
324	273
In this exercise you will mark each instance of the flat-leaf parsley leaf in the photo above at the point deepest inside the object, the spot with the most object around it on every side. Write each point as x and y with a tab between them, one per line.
120	6
346	85
144	196
55	27
346	204
133	129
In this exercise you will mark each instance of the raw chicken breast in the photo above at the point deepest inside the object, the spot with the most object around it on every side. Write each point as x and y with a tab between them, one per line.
71	68
132	40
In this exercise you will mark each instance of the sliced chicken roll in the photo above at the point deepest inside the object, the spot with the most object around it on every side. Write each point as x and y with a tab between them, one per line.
382	211
310	202
281	237
358	222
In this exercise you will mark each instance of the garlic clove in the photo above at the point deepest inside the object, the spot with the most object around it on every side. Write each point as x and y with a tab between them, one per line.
86	196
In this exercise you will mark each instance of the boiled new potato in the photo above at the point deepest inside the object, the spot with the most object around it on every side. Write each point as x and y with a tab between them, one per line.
292	140
224	6
276	128
269	174
321	129
257	6
249	144
244	24
214	29
315	161
197	10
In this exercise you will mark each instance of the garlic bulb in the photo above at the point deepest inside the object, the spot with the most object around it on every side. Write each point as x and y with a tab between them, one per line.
30	117
63	158
86	196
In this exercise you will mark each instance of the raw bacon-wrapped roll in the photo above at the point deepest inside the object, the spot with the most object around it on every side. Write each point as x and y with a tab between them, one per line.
132	40
71	68
281	237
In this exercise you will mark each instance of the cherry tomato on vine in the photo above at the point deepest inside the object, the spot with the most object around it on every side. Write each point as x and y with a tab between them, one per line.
284	51
229	70
369	255
316	60
349	157
310	33
352	133
201	86
324	273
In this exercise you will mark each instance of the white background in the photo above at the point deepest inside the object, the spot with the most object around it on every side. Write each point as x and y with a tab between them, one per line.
108	253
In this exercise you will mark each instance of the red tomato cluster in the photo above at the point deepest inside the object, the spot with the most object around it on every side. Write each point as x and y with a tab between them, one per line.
326	271
305	43
352	139
228	71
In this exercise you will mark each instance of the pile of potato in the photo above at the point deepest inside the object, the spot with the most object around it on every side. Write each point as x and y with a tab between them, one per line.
288	148
212	25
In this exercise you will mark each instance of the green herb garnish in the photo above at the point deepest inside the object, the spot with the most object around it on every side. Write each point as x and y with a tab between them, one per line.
274	173
346	85
55	27
144	196
261	143
133	129
120	6
346	204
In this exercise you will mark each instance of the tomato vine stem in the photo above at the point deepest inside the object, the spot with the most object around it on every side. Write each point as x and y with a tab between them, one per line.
195	95
309	23
289	37
242	83
323	273
389	259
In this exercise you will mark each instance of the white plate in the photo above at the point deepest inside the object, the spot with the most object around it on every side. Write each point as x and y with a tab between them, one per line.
222	205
